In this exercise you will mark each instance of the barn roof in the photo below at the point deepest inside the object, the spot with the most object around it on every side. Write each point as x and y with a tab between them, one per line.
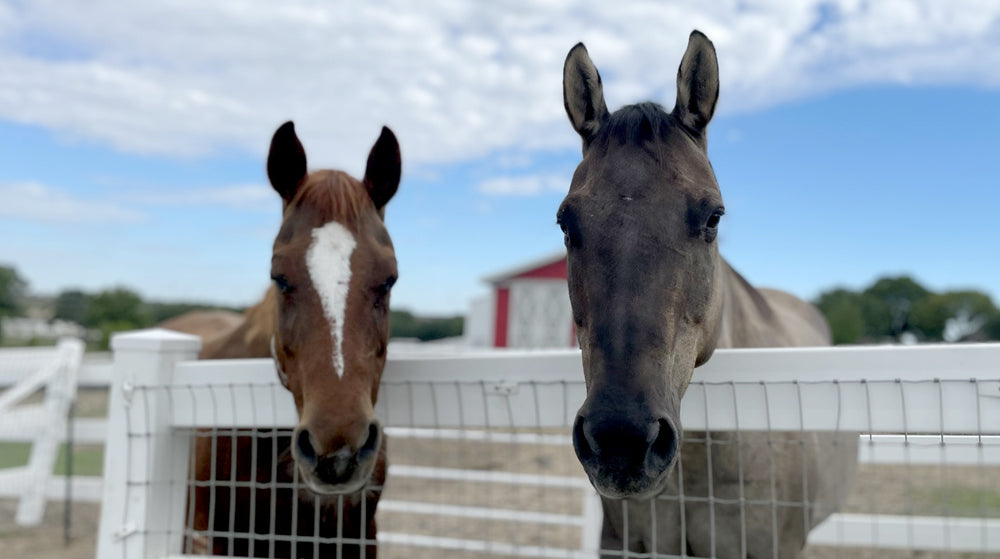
551	266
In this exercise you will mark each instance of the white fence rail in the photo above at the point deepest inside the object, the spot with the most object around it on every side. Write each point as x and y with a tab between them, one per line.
52	371
924	405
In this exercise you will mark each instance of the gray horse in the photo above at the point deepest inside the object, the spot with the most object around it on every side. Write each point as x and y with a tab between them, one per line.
652	299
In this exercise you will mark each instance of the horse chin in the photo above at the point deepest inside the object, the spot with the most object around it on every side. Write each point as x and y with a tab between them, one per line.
320	487
643	487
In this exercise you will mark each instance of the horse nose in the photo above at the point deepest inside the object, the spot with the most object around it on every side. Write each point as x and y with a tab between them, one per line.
336	467
624	443
339	462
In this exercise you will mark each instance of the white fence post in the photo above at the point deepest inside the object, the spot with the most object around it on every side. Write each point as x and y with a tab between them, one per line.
143	457
593	523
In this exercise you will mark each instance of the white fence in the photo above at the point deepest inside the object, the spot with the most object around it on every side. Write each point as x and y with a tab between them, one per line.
930	407
52	371
927	405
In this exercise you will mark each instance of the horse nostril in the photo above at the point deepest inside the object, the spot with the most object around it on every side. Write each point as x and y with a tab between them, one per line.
664	446
582	438
618	439
307	452
371	443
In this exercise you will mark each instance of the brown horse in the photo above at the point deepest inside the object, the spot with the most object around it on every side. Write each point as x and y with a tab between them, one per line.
325	322
652	299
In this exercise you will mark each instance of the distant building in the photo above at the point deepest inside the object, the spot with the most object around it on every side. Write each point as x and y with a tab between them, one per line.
26	329
528	307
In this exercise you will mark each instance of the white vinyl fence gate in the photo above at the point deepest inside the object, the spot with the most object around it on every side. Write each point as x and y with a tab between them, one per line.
925	406
52	370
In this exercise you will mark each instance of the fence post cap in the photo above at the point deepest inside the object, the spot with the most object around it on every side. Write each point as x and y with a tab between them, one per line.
155	339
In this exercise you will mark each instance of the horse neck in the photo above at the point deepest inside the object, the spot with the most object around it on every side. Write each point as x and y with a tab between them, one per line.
745	312
252	338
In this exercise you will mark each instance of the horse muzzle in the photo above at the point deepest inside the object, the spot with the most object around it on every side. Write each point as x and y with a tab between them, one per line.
343	469
625	457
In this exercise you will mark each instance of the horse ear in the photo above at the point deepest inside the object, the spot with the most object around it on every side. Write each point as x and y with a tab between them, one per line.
286	162
697	83
384	169
583	95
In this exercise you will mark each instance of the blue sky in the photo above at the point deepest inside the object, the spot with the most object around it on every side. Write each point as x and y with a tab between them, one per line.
853	140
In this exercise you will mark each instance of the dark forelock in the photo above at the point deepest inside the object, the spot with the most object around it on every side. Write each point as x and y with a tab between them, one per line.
637	124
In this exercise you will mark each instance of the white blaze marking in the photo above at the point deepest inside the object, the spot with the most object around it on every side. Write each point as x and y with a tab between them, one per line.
329	263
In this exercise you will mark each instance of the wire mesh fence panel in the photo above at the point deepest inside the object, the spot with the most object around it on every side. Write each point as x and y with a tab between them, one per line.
499	487
928	481
481	464
233	490
483	469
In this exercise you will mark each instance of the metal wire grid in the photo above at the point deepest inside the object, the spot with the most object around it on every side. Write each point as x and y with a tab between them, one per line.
911	529
490	420
240	513
523	493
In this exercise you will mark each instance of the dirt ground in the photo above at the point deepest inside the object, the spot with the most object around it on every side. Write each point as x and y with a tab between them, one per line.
928	490
47	541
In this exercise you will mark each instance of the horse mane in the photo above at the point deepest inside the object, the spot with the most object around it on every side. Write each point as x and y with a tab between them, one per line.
755	296
637	124
334	195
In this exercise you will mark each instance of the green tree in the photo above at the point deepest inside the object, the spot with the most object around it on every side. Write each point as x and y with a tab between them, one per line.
119	305
991	330
114	310
13	289
403	324
877	317
967	312
844	311
72	305
891	300
438	328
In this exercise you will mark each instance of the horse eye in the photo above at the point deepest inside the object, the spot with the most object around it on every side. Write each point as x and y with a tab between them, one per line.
384	288
567	238
382	291
281	282
713	221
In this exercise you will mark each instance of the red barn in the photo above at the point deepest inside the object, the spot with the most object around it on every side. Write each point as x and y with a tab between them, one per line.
528	308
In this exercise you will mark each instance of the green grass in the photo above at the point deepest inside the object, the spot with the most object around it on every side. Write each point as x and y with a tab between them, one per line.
14	454
958	501
88	460
6	342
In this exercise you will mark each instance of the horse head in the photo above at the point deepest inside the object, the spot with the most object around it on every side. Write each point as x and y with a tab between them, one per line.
640	223
333	266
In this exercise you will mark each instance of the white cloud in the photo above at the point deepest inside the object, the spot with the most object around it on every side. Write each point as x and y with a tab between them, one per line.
454	80
524	185
237	197
36	202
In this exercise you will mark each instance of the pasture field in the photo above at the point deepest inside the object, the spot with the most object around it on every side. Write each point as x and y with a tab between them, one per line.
926	490
87	459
